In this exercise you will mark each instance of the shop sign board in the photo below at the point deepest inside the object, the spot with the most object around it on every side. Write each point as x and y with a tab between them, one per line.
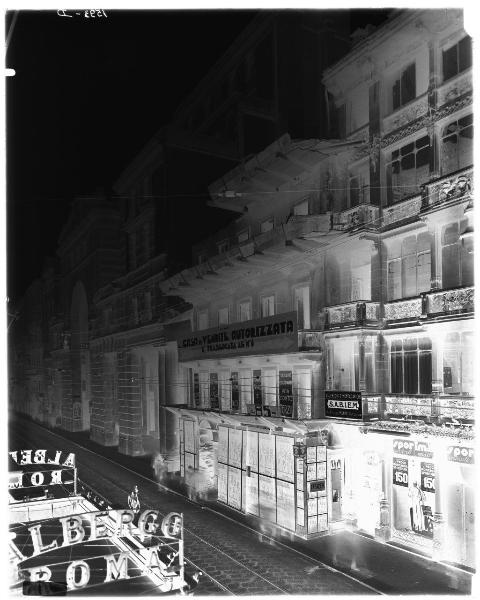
317	486
427	477
269	335
344	405
462	454
235	391
400	471
412	448
285	392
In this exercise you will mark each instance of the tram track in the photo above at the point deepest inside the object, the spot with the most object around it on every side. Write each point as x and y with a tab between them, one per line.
267	586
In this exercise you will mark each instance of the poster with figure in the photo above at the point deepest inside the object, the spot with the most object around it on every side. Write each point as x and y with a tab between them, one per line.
214	402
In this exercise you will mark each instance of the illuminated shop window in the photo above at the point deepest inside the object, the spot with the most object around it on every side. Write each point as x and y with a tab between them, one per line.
268	306
409	266
223	316
457	256
457	145
245	310
458	368
411	366
302	306
458	58
407	169
202	319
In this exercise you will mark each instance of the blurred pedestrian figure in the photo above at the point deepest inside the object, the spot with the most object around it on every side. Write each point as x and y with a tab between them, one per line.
159	466
190	482
134	501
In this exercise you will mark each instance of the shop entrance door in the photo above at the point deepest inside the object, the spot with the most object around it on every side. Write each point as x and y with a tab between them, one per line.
336	488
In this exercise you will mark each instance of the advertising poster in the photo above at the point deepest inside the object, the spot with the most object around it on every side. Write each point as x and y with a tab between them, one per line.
427	477
400	471
250	450
222	472
285	504
214	404
257	391
285	391
234	487
267	497
235	391
285	458
266	454
196	389
235	448
222	449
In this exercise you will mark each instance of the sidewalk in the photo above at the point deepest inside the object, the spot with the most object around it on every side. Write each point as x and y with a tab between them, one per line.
382	566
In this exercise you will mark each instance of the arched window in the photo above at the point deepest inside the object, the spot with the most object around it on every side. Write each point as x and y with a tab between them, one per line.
457	145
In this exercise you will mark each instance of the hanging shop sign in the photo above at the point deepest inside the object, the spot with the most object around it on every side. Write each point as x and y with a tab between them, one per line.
270	335
43	457
427	477
400	471
412	448
344	405
462	454
32	479
164	557
214	391
235	391
285	392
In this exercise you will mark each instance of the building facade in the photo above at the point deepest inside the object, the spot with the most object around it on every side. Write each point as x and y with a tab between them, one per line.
336	312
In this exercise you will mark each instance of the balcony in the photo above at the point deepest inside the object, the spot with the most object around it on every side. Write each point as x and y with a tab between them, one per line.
309	341
428	408
403	210
406	114
448	302
448	189
403	310
454	88
356	217
353	314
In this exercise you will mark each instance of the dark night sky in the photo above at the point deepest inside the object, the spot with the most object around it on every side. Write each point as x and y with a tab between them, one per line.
87	95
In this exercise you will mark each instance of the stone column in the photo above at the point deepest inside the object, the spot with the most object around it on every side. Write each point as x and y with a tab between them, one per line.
384	531
362	384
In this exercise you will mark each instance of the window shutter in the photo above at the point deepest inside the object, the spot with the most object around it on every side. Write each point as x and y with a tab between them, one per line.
408	84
